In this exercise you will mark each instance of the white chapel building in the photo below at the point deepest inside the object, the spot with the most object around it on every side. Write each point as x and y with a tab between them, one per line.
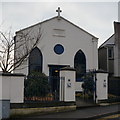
62	44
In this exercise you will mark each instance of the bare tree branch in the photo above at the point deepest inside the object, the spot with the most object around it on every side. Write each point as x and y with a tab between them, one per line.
14	52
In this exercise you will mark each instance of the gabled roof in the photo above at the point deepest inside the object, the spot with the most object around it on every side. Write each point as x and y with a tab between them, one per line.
55	18
102	45
116	30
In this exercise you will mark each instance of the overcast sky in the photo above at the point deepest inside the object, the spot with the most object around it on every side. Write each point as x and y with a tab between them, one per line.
95	17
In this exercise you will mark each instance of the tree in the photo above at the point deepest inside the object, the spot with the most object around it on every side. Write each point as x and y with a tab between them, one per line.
37	85
15	51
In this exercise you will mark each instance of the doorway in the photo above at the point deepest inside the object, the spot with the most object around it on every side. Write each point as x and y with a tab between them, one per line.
54	77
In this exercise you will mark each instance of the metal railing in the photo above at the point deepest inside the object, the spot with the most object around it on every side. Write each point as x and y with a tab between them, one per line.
37	92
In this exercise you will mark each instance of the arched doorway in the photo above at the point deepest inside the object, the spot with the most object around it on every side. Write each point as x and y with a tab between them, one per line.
80	65
35	60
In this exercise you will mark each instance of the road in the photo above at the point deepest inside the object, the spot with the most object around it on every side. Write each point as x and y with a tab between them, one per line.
90	112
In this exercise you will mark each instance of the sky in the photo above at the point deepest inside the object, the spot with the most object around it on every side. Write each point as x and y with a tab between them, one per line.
95	17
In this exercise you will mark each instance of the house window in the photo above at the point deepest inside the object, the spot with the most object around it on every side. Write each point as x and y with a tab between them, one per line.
110	53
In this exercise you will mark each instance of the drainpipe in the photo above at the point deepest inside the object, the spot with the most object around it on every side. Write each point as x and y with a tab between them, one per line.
95	91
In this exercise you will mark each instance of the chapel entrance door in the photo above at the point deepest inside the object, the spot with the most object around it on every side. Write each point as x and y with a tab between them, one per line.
54	78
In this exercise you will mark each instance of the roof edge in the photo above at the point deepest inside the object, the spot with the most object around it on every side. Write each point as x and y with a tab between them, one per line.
54	18
36	24
105	41
79	27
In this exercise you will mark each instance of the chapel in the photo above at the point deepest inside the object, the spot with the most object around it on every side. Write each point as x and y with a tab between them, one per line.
62	44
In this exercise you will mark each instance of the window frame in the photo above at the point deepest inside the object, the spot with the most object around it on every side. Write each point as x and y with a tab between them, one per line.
110	51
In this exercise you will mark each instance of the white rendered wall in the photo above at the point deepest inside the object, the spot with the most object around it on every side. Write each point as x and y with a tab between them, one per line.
17	89
12	88
101	90
5	88
75	39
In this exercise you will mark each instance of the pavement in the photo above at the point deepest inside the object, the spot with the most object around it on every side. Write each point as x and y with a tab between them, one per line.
110	117
95	112
83	104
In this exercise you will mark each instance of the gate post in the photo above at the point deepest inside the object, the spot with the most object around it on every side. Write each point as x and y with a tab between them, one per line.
4	98
67	84
101	85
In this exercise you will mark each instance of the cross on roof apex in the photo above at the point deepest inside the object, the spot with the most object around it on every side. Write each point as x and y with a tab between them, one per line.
59	11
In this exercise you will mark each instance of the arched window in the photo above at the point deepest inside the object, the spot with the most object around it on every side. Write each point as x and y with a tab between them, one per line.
35	60
80	65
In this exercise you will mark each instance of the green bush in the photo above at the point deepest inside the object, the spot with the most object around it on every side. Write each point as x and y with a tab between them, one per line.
36	84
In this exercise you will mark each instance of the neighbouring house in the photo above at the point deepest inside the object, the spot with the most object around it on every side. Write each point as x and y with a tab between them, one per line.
109	53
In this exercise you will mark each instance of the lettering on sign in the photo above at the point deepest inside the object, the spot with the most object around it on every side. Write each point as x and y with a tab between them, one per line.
69	83
104	83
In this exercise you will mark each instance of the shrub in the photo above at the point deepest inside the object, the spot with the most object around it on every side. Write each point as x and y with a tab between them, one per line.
36	84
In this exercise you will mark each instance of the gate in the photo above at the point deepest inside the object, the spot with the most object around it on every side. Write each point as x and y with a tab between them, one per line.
89	87
54	82
39	87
